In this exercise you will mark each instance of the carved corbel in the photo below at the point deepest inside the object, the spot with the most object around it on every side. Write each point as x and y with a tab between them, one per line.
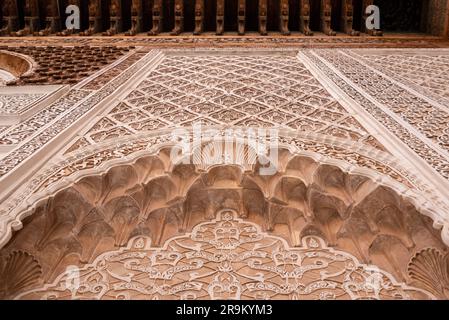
263	17
115	18
220	17
304	19
52	18
179	18
199	17
10	20
94	18
347	18
136	18
284	16
31	18
157	18
378	33
241	16
326	18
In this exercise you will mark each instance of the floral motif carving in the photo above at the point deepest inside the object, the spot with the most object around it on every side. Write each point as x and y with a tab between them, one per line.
227	258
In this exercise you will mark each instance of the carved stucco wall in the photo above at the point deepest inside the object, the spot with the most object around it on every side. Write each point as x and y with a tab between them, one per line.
362	198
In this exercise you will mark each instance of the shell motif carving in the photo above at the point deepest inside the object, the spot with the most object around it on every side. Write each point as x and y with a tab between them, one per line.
430	269
20	270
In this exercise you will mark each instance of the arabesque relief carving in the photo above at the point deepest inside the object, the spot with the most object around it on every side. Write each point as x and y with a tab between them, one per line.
226	258
344	15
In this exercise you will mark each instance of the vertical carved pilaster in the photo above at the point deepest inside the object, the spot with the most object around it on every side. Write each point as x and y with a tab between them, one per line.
263	12
220	16
284	16
31	18
115	18
199	17
241	16
10	21
52	18
367	3
136	18
94	18
326	18
304	18
67	32
347	18
157	18
179	18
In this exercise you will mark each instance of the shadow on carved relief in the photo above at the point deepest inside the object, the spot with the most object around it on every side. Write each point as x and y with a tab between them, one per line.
155	199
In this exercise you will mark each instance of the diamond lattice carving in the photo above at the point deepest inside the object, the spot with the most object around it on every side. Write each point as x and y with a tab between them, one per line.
258	90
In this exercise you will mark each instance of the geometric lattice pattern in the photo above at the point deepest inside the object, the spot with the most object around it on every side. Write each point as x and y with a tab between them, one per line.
240	90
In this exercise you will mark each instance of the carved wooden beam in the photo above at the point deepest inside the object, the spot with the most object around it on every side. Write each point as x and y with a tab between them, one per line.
136	18
220	17
367	3
263	12
179	18
326	18
304	18
94	18
347	18
115	18
158	16
31	18
284	16
241	16
199	17
10	17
